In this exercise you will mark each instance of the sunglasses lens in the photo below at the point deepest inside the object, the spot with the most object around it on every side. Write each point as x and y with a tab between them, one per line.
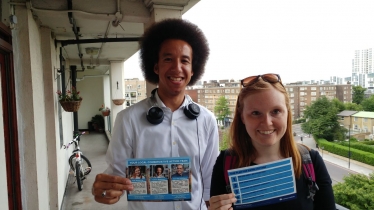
247	81
272	78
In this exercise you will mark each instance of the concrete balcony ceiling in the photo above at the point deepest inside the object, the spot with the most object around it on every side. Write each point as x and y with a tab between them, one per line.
98	20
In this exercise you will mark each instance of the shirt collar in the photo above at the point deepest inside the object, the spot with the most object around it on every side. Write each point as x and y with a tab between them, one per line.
186	101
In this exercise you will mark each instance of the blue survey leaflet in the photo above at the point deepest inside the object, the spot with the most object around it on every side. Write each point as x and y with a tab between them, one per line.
263	184
159	179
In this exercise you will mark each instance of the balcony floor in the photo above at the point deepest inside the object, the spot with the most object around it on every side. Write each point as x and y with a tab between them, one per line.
93	146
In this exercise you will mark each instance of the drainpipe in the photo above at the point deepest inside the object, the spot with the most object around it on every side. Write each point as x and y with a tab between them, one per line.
75	30
73	70
62	71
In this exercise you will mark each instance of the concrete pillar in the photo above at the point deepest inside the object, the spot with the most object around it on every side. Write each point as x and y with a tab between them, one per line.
50	88
117	91
31	118
158	13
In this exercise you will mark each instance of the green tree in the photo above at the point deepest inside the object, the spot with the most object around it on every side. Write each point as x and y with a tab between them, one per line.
356	192
338	104
322	120
368	104
358	94
221	110
353	106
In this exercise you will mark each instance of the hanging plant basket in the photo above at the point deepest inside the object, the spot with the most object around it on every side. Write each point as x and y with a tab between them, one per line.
118	102
105	113
70	106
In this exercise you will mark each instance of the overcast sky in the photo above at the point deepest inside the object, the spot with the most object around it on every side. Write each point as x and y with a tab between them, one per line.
298	39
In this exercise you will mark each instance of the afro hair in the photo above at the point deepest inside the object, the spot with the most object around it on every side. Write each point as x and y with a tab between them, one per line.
156	34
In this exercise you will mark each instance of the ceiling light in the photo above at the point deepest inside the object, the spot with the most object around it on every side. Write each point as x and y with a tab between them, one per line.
92	50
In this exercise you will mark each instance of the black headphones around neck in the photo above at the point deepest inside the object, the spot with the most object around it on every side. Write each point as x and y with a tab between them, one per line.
155	115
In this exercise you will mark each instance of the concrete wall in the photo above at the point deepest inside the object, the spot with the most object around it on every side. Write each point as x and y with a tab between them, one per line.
92	92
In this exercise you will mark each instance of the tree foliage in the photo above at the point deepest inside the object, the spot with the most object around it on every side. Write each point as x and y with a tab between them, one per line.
221	110
353	106
322	120
338	104
368	104
224	141
356	192
358	94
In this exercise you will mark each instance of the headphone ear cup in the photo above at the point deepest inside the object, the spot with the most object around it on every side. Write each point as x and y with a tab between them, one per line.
155	115
192	111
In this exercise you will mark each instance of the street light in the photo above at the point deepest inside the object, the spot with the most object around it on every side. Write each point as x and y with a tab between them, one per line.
349	145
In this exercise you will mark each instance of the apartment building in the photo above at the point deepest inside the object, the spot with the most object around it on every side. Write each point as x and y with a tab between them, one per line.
209	92
359	124
363	122
301	94
135	91
362	68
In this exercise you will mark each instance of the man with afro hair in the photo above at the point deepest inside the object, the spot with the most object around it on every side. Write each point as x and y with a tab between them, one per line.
173	55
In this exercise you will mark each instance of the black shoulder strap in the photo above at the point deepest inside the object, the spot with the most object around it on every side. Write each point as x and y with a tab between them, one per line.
308	169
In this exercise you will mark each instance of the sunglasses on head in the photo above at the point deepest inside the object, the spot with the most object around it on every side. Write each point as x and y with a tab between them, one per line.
270	78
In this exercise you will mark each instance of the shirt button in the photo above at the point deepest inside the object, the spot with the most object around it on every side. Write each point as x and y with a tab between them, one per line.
174	143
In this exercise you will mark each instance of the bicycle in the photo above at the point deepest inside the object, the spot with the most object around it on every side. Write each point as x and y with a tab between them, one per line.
78	161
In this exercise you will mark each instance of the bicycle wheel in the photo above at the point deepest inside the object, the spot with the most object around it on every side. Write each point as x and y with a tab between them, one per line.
86	164
79	175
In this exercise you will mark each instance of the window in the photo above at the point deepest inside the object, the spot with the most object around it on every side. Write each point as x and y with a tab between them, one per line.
313	88
355	119
227	90
313	93
138	86
139	94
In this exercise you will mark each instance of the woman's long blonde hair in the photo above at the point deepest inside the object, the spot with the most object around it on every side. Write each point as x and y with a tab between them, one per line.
240	141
